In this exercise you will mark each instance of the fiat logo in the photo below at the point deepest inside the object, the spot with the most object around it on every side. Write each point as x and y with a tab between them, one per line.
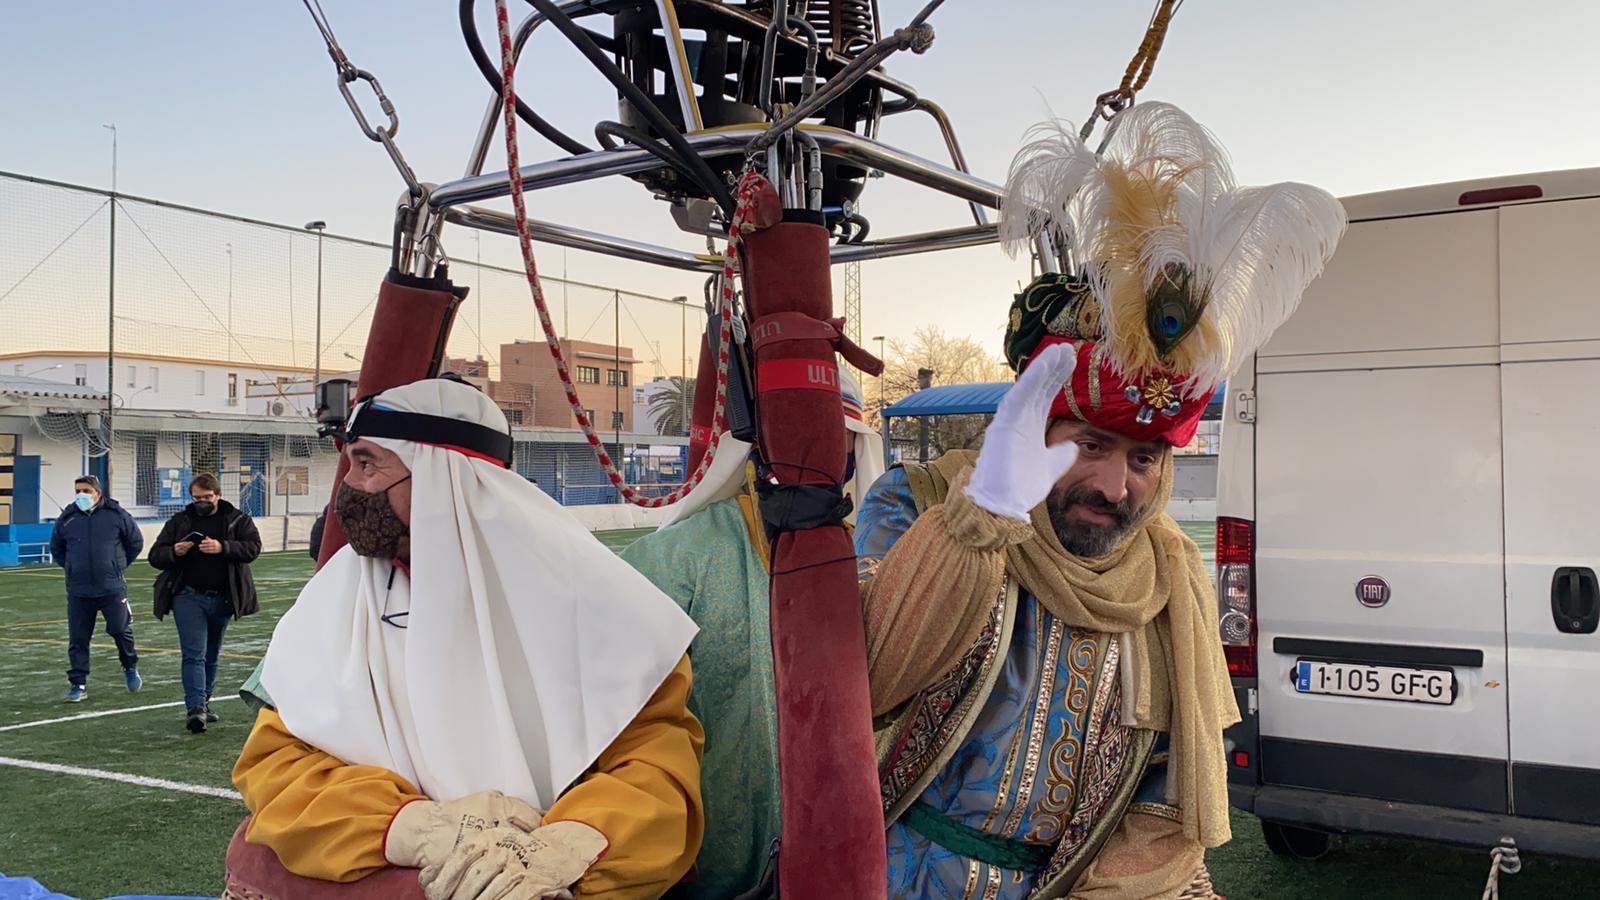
1372	591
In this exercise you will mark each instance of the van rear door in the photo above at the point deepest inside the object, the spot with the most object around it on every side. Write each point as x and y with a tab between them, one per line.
1550	381
1380	580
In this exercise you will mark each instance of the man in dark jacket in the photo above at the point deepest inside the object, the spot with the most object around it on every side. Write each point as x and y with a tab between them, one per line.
96	540
204	553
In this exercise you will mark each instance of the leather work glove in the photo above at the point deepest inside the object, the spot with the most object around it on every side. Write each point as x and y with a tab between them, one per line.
1016	471
423	832
507	864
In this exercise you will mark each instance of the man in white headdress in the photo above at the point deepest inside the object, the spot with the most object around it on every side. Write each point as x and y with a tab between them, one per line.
473	686
712	556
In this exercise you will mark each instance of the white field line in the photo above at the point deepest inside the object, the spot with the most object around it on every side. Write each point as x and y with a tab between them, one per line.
108	712
139	780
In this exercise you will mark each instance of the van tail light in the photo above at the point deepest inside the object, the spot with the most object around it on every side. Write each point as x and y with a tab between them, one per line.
1236	593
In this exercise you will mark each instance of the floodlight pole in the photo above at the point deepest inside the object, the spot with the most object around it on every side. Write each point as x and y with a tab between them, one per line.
111	315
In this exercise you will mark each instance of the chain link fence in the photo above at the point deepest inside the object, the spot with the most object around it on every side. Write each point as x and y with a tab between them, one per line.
218	326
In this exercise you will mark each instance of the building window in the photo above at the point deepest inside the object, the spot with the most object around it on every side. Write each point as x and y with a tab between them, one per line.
199	382
589	414
616	378
513	416
153	375
133	376
616	419
588	375
80	374
233	388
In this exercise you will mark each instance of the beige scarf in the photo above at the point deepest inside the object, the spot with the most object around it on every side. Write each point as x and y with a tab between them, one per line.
1155	593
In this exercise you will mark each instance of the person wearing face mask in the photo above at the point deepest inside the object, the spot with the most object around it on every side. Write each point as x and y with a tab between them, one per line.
204	552
95	541
711	556
473	687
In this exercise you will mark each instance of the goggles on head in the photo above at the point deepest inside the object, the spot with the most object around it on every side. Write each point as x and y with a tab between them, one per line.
368	419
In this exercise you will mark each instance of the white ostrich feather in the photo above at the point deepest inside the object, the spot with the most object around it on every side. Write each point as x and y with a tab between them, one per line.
1044	176
1250	252
1255	251
1162	135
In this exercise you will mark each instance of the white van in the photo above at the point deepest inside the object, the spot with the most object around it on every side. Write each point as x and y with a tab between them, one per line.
1409	529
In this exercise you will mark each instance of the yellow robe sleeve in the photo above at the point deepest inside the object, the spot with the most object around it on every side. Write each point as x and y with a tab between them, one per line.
643	794
323	817
1148	856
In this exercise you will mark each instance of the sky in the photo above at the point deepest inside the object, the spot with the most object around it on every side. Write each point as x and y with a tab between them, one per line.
233	106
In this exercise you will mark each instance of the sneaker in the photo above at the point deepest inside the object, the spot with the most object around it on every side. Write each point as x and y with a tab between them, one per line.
211	716
134	681
196	722
76	693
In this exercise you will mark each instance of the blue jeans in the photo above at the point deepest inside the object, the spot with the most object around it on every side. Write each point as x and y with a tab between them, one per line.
201	618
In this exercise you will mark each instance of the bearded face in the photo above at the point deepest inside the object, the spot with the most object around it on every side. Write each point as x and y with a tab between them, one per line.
1099	501
1088	524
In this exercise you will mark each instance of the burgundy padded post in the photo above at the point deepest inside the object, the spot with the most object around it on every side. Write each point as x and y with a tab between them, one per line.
833	832
405	343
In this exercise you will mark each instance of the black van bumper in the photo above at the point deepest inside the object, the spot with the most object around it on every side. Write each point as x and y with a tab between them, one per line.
1361	815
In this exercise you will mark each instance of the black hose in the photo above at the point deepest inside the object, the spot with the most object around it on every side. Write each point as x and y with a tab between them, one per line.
608	133
469	30
706	179
861	228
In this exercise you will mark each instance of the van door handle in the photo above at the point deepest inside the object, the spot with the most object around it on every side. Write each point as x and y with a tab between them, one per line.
1575	600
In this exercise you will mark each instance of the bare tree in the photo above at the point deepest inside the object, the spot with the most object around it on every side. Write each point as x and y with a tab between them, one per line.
953	359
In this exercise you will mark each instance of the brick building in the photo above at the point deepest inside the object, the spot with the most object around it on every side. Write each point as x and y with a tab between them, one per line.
603	375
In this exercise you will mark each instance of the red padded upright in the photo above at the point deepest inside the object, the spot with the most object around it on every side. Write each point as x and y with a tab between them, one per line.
833	832
405	343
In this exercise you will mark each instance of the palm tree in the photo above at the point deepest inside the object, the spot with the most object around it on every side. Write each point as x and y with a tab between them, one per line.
672	406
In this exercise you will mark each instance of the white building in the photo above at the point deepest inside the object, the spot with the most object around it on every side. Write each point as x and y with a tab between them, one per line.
254	429
642	395
144	381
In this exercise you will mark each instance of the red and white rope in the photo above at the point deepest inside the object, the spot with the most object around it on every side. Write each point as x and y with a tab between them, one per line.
747	189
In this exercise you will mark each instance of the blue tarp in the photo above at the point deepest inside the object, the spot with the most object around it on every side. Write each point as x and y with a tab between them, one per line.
26	889
968	399
21	888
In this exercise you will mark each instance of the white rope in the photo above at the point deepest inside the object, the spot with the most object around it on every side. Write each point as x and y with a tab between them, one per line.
1503	858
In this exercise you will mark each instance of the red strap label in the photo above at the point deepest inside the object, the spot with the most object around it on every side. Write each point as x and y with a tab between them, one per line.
699	436
797	375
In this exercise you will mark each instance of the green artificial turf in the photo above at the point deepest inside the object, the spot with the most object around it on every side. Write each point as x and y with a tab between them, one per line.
90	837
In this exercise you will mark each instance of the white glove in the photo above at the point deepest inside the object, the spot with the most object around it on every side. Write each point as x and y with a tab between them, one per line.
507	864
423	832
1016	471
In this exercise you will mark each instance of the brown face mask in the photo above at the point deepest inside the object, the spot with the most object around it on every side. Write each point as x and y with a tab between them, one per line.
370	523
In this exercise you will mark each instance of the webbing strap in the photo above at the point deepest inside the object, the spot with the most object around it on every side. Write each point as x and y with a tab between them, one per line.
372	421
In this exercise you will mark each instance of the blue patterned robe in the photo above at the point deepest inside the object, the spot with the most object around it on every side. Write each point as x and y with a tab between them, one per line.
1045	753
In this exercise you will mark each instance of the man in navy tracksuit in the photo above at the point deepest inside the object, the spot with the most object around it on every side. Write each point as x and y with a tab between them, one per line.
96	540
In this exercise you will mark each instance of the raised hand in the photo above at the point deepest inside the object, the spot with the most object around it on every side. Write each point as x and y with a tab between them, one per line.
1016	470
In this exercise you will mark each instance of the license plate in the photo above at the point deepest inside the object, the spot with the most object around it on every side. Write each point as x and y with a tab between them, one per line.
1375	682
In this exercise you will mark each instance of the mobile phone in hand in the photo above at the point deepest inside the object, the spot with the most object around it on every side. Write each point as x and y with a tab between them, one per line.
194	537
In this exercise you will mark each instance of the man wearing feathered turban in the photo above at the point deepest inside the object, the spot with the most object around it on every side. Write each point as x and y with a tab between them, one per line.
1047	676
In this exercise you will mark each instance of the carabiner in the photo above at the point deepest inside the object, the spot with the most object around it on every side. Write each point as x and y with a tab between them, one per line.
346	76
